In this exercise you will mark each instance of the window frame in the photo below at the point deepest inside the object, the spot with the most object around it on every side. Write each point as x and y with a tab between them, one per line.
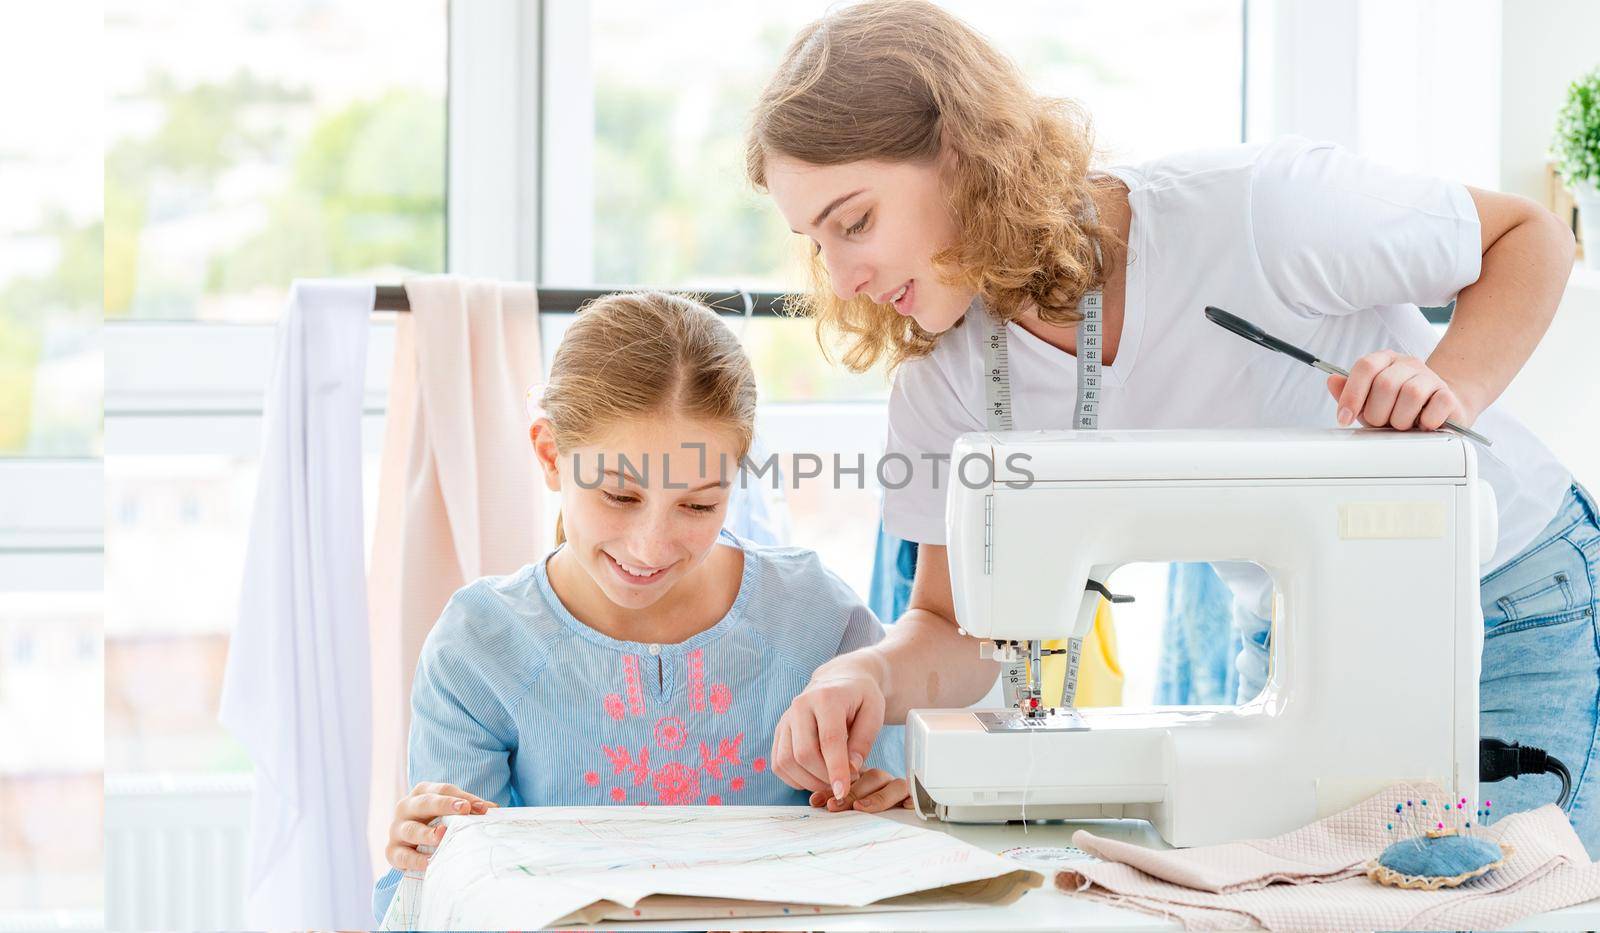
176	387
499	140
563	47
51	525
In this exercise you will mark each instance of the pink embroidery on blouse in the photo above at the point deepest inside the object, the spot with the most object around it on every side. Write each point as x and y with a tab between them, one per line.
622	760
674	782
710	763
696	662
677	783
670	734
727	754
630	676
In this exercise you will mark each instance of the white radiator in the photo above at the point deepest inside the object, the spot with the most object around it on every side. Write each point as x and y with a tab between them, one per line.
176	851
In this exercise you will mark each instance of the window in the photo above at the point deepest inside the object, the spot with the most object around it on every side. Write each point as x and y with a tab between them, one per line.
248	144
178	527
51	693
643	178
50	185
51	669
50	766
183	430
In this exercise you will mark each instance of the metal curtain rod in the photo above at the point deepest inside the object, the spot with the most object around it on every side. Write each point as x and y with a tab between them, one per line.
767	304
568	300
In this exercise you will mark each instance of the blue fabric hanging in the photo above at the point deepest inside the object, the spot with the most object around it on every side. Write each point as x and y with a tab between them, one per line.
1200	641
894	565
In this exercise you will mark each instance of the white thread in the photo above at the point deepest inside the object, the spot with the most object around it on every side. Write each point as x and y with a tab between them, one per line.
1027	779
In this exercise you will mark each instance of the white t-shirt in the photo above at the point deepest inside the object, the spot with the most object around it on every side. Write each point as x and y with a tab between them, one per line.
1312	243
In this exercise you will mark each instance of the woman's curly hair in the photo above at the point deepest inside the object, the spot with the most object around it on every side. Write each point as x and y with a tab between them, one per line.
897	80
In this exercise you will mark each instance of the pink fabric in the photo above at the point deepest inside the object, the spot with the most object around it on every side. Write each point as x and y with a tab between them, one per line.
459	495
1315	877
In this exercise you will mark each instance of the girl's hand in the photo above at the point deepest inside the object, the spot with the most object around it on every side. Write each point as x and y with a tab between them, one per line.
827	731
1388	390
414	814
874	791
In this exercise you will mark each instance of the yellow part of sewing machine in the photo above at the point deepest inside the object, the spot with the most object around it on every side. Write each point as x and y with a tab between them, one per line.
1099	673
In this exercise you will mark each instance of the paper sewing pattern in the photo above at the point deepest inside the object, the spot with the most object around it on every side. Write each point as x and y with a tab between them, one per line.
533	867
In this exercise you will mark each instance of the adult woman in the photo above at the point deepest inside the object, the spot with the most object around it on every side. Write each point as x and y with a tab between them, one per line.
936	187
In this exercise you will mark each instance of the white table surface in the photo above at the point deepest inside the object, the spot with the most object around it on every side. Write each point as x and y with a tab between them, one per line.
1043	908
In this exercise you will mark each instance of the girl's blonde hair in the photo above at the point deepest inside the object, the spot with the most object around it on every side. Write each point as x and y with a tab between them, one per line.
896	80
634	355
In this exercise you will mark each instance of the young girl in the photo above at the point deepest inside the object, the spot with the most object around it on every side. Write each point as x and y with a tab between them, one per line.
943	197
648	658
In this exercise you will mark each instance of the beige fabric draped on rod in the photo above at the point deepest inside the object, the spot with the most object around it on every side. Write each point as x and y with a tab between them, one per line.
458	493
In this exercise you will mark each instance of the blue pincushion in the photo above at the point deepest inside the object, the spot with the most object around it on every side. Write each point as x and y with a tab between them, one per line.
1436	860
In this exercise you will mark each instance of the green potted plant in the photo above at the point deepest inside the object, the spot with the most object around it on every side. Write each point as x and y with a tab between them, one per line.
1577	154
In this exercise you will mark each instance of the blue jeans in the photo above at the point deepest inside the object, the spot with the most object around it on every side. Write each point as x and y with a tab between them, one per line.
1541	663
1540	683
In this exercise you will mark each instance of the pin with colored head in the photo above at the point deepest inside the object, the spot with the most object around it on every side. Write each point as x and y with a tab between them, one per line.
1435	847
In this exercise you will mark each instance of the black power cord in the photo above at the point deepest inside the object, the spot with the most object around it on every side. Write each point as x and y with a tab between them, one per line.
1499	759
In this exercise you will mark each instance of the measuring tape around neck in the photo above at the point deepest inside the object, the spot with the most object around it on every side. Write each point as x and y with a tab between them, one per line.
1085	417
997	359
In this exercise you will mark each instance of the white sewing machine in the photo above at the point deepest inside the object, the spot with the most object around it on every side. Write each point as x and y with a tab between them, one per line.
1373	541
